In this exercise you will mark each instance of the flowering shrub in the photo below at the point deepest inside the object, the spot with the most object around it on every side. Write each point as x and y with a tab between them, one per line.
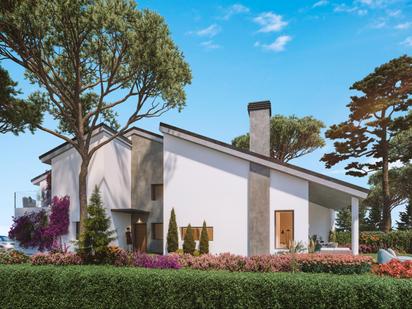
118	257
395	268
365	248
13	257
156	261
398	240
56	259
28	230
334	263
58	221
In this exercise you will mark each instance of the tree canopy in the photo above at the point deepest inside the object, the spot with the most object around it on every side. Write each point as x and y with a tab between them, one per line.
16	115
290	137
88	57
376	116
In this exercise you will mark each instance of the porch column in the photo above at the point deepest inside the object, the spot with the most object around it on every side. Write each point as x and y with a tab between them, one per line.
355	226
332	219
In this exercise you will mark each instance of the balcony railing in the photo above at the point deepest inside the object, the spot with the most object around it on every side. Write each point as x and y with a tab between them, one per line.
31	199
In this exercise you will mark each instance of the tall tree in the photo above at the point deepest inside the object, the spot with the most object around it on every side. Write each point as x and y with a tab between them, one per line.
405	186
344	219
290	137
376	117
88	58
405	217
16	115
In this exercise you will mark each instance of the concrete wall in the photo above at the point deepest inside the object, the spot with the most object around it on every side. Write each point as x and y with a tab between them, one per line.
319	221
289	193
204	184
147	169
109	169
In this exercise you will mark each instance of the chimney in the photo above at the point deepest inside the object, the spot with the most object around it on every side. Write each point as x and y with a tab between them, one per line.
259	114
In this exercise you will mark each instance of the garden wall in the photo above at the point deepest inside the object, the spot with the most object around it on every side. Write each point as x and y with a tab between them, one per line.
25	286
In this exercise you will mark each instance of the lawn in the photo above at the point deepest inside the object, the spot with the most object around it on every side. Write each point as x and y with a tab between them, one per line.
27	286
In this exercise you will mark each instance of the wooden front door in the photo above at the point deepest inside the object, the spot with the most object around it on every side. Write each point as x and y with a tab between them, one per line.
140	237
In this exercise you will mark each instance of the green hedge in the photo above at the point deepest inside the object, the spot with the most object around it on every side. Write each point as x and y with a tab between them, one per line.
398	240
25	286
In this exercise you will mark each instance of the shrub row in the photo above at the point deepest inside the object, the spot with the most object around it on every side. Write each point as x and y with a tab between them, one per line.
24	286
373	241
13	257
329	263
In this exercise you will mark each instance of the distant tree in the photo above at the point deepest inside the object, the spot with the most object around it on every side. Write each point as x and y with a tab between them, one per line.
204	240
376	117
189	244
172	236
374	219
401	144
405	217
16	115
88	58
344	219
290	137
95	240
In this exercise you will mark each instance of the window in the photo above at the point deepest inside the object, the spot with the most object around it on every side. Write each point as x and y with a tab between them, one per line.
196	232
284	228
157	192
157	231
77	230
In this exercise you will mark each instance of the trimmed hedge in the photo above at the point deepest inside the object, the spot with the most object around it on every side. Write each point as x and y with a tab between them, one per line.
373	241
25	286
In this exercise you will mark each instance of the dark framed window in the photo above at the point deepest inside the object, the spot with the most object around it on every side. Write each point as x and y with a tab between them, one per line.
157	231
157	192
196	232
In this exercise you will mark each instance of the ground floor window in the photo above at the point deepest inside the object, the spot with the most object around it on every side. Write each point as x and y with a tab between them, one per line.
157	231
196	232
284	228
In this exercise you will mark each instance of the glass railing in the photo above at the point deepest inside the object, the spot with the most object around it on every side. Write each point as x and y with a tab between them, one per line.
31	199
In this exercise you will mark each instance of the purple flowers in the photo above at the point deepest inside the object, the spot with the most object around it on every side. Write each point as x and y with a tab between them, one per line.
156	261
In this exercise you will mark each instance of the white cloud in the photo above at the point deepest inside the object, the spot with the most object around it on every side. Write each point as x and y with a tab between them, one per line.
394	13
270	22
210	45
278	45
210	31
235	9
407	42
343	8
378	24
320	3
403	26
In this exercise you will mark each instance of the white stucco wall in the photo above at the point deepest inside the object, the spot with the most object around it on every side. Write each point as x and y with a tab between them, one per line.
109	169
204	184
319	221
289	193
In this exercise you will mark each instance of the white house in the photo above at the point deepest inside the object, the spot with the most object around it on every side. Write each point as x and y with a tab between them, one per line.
252	203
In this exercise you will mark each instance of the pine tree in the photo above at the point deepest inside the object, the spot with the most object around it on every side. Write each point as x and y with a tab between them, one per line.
95	239
172	237
189	245
344	220
204	240
374	220
405	222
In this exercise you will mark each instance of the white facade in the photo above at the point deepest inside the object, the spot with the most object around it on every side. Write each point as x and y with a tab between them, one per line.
204	184
109	169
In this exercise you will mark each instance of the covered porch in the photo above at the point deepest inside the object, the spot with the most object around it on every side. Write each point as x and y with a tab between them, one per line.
324	201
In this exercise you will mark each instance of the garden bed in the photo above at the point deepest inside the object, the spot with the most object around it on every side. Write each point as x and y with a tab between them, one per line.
27	286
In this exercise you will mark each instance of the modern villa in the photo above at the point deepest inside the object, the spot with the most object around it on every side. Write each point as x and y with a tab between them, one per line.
252	204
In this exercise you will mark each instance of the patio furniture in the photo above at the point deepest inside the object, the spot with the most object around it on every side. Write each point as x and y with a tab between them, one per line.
335	250
385	256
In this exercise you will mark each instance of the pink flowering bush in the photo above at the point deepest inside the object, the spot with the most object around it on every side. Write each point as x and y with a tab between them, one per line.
334	263
156	261
395	268
13	257
118	257
56	259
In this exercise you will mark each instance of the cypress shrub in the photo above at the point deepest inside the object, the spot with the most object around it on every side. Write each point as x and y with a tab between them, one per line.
204	240
189	244
172	237
94	241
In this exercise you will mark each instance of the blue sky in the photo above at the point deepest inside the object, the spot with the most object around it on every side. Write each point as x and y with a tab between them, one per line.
301	55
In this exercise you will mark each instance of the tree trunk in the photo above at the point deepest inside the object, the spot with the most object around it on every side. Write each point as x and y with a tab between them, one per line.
386	214
83	193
